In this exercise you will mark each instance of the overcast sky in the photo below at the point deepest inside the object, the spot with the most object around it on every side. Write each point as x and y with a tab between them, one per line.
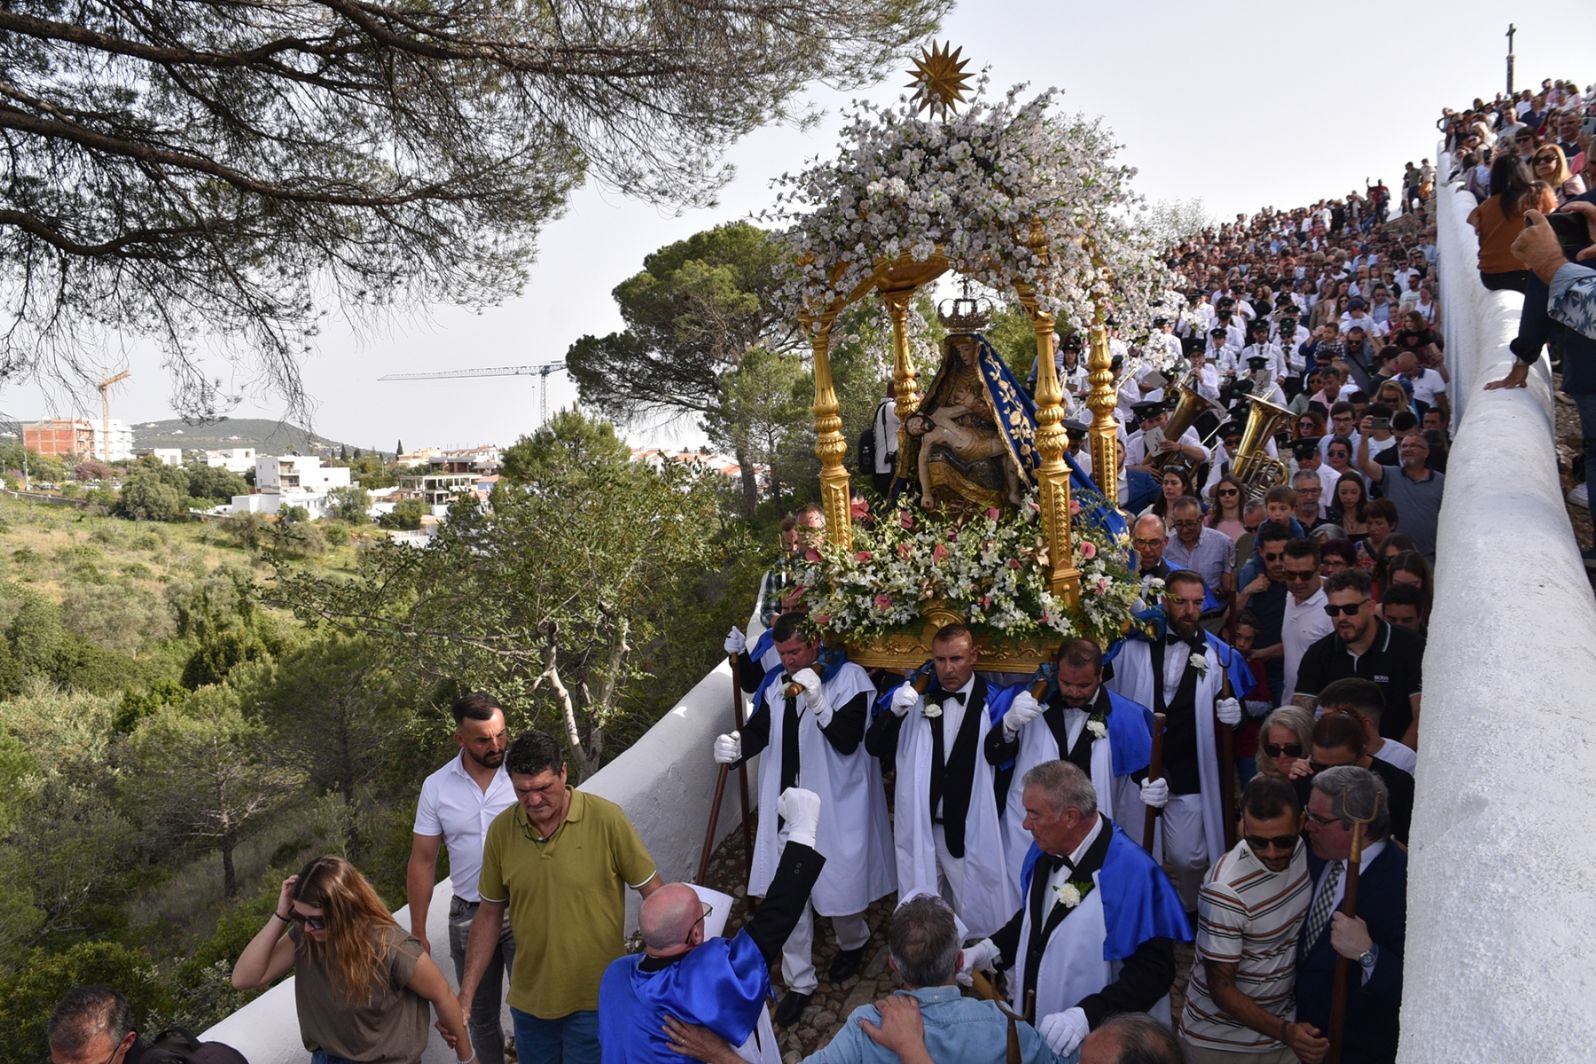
1243	104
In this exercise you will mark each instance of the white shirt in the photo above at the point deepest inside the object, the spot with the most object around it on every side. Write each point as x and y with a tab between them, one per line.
952	719
1064	873
453	806
1398	754
1426	386
1301	627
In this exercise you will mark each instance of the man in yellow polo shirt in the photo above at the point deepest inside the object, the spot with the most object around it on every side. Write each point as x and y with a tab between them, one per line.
560	860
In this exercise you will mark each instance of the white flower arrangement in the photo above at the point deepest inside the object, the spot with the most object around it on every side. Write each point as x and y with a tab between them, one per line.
1198	662
1098	728
931	710
991	570
1007	192
1069	895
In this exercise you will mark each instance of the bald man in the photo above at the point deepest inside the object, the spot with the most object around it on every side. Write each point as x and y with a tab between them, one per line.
720	983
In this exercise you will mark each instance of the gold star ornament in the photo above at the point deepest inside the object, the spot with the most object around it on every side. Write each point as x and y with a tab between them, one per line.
939	80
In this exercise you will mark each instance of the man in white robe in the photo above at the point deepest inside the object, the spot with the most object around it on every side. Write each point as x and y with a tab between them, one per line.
1181	676
1095	934
946	832
1103	734
808	721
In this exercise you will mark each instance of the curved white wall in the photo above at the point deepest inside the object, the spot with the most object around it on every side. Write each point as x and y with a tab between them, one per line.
665	782
1501	914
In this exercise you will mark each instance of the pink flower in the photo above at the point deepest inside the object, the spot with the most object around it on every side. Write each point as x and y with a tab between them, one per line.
822	618
1015	563
939	552
1075	507
811	555
862	556
986	602
906	519
992	513
1088	549
883	602
904	550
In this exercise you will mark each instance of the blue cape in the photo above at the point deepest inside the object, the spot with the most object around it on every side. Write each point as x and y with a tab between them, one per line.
1130	724
1139	901
1235	663
722	984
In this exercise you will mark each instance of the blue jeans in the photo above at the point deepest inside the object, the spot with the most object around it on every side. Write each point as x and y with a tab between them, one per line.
487	1037
323	1057
570	1039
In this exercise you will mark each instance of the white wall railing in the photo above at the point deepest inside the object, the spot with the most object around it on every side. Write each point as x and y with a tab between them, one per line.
1501	915
665	781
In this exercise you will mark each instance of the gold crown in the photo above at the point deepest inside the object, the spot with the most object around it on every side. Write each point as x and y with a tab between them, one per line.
964	315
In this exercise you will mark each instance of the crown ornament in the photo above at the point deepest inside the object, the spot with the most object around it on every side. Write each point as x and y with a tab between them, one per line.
965	314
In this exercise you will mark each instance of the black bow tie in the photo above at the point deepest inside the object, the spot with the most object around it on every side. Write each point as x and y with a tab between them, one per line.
1195	641
957	696
1053	862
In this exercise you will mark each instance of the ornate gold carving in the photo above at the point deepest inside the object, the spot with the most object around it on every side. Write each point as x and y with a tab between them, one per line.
1053	476
830	446
910	648
939	80
1101	400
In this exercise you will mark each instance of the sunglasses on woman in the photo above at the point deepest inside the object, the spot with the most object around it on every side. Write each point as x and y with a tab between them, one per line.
312	923
1288	749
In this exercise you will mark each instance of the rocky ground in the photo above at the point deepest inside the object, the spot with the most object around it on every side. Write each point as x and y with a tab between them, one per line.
1569	444
832	1003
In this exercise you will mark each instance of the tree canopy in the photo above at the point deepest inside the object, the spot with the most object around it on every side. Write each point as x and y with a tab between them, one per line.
176	168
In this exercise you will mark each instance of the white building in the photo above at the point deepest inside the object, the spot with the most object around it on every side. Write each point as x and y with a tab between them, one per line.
291	480
233	459
293	473
172	456
118	446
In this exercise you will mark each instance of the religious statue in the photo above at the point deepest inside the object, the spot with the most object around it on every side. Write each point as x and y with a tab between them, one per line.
971	445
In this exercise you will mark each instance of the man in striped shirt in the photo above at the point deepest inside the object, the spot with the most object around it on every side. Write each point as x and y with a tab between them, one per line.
1240	1001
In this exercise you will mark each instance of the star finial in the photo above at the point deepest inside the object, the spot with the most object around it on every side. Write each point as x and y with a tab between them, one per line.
939	80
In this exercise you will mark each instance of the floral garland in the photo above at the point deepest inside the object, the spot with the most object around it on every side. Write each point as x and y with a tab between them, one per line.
986	189
992	570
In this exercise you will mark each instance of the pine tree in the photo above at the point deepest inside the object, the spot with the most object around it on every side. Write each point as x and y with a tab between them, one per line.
398	448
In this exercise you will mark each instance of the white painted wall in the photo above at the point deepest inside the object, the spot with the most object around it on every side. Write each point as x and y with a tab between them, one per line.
665	782
1501	914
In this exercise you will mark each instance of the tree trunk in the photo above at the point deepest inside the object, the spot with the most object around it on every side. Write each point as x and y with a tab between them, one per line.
745	465
229	873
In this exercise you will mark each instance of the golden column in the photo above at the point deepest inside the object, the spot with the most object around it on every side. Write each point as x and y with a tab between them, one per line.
1053	477
905	387
1101	400
830	445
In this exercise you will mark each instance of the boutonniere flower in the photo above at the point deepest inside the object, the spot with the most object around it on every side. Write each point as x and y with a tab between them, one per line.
1069	895
1198	663
931	710
1098	728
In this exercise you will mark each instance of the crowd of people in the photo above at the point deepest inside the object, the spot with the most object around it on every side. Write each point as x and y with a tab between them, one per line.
1239	774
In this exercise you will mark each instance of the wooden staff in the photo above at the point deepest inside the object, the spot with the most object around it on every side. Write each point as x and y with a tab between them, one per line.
1349	907
1227	762
742	769
984	989
1155	771
714	816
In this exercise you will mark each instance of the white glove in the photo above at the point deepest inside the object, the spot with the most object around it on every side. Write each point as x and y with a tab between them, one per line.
801	811
736	642
1064	1031
977	958
1022	711
728	749
814	695
904	699
1155	793
1228	711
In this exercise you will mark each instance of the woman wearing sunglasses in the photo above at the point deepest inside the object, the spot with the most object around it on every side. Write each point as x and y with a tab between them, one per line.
362	984
1285	738
1550	165
1225	506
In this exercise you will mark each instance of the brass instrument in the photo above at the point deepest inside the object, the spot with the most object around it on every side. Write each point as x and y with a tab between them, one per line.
1251	463
1188	408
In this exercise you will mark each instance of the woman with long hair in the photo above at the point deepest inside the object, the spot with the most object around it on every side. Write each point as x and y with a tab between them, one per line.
1413	569
1348	503
1394	546
1550	166
1308	425
362	983
1176	482
1224	507
1285	738
1500	218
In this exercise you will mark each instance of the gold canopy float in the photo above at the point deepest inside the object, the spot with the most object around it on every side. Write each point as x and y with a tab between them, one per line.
939	83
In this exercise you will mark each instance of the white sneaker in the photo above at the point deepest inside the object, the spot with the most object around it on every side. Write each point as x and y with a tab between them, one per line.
1580	496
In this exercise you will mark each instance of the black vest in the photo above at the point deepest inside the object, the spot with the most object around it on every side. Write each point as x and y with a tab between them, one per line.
1180	724
951	782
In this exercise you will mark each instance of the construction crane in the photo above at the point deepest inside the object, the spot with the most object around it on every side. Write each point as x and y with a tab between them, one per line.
105	413
541	371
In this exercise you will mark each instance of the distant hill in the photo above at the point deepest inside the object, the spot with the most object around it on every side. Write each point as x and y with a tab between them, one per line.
267	437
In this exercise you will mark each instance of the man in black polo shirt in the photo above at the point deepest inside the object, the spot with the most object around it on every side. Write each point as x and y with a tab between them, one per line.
1363	644
1261	588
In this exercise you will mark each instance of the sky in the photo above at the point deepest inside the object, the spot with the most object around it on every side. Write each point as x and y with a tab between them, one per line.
1240	104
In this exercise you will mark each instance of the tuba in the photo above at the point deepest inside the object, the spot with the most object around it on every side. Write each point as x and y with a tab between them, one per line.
1188	408
1251	463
